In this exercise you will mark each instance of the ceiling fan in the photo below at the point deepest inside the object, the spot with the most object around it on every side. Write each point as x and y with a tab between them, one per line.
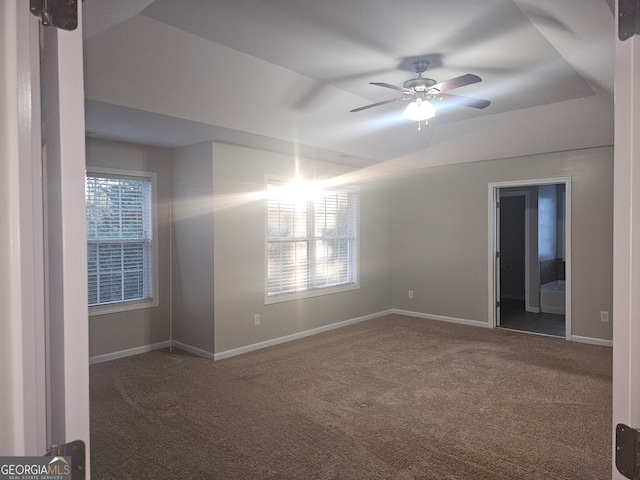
424	92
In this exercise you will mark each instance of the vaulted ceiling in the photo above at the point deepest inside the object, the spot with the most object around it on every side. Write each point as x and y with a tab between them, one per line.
283	75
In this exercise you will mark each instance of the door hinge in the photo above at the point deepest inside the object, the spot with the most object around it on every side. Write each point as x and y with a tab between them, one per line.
75	450
58	13
498	304
497	254
628	451
628	18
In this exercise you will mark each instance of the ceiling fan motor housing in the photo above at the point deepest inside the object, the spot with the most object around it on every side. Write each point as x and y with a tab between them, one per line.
419	83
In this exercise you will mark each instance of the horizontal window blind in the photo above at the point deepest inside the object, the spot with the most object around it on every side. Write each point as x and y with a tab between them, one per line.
311	242
119	239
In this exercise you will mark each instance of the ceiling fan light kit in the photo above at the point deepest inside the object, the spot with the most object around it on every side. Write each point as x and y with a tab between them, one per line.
420	91
419	110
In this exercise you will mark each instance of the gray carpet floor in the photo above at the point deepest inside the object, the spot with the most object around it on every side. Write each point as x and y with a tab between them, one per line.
392	398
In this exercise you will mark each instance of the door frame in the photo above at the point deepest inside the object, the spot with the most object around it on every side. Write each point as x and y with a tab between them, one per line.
22	345
35	366
626	239
493	236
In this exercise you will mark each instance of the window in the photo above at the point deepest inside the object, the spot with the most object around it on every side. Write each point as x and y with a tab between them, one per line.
312	240
121	246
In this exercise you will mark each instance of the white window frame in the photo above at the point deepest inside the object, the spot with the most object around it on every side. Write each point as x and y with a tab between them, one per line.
316	291
154	301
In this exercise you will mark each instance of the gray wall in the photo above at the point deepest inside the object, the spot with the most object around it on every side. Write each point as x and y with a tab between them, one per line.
426	231
440	235
121	331
192	274
239	237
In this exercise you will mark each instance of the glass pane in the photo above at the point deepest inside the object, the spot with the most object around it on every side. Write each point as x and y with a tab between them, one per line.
92	270
332	262
132	209
110	287
118	272
133	288
116	208
109	273
133	271
333	215
287	267
286	216
345	214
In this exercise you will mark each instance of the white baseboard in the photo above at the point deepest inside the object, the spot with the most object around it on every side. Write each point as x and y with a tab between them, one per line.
127	353
236	351
441	318
532	309
295	336
592	341
198	352
288	338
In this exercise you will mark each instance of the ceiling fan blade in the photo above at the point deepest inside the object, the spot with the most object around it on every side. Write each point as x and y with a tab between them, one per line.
393	87
456	82
464	101
384	102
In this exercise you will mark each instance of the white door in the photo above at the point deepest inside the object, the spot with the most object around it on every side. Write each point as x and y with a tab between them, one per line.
62	82
626	238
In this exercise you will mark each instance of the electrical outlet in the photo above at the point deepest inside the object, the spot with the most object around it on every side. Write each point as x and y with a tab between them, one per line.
410	293
256	319
604	316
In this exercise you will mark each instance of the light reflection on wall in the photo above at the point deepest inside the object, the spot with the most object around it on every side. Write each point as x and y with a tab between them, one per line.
551	218
547	222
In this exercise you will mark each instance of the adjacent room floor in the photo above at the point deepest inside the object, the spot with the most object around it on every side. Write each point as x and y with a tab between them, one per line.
515	317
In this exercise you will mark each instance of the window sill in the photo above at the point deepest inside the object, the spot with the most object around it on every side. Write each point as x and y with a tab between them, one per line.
316	292
122	307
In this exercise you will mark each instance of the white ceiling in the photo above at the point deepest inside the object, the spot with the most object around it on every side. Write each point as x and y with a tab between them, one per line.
283	74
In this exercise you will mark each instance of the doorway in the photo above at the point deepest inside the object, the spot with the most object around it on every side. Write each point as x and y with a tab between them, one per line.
529	251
